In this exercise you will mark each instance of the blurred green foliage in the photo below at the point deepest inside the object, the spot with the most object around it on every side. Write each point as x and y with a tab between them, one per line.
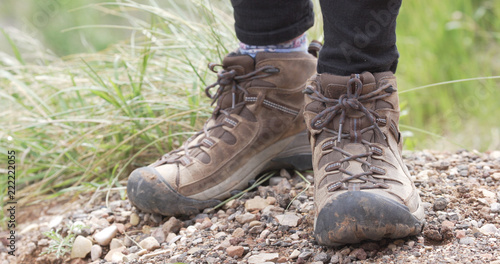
47	20
443	41
438	41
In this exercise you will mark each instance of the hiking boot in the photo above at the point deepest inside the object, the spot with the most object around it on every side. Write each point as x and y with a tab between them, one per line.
363	190
257	125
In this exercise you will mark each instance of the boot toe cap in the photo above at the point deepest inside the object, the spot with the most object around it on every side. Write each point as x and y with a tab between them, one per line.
355	216
149	192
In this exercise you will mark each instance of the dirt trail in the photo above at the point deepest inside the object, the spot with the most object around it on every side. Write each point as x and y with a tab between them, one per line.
460	191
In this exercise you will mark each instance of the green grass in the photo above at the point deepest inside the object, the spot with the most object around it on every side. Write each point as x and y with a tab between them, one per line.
84	121
444	41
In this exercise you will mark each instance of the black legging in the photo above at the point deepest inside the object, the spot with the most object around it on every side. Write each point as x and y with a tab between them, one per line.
360	35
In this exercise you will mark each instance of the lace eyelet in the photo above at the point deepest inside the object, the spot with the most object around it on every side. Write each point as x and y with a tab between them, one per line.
377	151
377	170
381	122
327	145
333	167
334	186
271	70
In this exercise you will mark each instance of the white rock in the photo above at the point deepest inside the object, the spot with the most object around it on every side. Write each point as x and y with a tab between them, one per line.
78	227
193	250
467	241
488	229
149	243
496	176
264	233
488	194
99	213
104	236
483	201
183	241
288	219
130	257
117	257
81	247
30	248
295	254
172	239
134	219
424	175
495	207
220	235
111	255
225	244
115	243
197	241
55	221
245	218
495	154
257	203
453	171
95	252
272	210
262	258
190	230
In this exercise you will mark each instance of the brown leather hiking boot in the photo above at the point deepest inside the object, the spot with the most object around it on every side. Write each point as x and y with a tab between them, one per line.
363	191
256	125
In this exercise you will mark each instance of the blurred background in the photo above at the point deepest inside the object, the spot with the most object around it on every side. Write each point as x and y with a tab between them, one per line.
96	88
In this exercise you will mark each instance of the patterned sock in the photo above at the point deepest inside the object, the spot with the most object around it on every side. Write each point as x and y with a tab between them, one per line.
298	44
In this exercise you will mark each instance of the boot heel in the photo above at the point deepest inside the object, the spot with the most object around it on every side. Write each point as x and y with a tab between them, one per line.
297	155
300	162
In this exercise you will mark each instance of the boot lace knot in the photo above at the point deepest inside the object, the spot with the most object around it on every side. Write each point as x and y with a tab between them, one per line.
227	80
353	100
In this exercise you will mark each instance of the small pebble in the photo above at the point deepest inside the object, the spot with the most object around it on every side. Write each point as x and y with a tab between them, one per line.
305	255
95	252
488	229
235	251
134	219
323	257
359	253
104	236
440	203
295	254
81	247
467	241
495	207
149	243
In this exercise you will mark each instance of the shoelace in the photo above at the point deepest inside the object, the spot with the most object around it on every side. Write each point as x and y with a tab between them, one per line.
225	79
351	100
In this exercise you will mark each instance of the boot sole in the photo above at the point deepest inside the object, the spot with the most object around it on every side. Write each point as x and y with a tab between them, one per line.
355	216
149	192
295	153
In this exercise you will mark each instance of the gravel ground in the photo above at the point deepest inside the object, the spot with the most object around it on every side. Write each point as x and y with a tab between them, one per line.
460	191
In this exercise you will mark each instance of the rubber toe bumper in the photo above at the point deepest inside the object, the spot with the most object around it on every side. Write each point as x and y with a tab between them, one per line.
355	216
149	192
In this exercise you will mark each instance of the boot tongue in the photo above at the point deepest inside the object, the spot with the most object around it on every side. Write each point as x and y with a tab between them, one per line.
333	86
242	64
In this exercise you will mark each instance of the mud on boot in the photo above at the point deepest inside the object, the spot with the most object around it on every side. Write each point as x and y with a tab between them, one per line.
363	190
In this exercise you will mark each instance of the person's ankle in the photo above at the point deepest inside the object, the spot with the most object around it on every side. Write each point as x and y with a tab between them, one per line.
298	44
